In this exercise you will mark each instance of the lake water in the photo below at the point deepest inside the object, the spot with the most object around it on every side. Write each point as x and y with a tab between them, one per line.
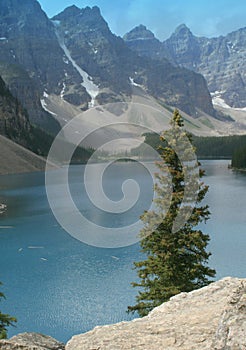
59	286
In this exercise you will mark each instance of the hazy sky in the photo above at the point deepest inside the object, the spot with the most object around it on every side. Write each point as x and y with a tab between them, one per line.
204	17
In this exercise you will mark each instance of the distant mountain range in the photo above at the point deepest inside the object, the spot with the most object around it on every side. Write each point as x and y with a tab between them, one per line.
55	68
220	60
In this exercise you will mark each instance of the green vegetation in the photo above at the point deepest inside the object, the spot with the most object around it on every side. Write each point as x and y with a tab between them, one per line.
206	147
218	147
176	260
41	141
239	158
5	321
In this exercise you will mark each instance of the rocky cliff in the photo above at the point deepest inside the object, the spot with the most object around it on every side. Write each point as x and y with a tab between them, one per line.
220	60
211	318
14	122
16	130
29	52
114	68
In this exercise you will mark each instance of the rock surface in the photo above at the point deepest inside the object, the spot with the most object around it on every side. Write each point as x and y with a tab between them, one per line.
213	317
219	60
31	341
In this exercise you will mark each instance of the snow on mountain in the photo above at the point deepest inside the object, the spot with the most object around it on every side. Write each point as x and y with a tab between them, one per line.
88	84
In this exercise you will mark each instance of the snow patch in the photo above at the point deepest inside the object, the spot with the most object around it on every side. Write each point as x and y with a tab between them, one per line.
133	82
218	101
44	106
240	109
63	91
90	87
56	23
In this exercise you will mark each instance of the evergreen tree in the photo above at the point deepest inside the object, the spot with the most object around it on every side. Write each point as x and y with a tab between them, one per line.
5	321
175	248
239	158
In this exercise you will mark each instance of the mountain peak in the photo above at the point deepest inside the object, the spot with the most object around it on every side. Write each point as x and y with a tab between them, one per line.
182	30
23	7
96	10
75	14
139	33
70	11
73	10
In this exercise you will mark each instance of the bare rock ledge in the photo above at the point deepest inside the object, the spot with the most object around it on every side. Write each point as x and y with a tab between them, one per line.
213	317
31	341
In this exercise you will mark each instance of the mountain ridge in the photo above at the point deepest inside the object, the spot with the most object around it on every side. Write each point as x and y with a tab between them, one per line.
75	63
219	60
103	56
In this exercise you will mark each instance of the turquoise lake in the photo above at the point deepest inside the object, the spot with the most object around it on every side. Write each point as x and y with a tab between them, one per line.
59	286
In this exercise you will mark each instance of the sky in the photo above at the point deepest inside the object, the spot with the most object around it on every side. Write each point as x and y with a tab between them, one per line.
210	18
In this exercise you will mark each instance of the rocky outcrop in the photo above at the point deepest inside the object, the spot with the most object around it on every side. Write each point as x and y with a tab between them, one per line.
31	341
213	318
231	332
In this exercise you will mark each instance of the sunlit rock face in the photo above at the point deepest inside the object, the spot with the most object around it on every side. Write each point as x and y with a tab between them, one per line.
209	318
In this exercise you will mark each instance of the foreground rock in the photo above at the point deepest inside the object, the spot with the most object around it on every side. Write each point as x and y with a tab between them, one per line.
31	341
213	317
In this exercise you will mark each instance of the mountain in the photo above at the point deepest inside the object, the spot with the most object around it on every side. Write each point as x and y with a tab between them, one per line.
60	67
15	132
220	60
95	52
113	68
28	54
143	41
76	58
14	122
